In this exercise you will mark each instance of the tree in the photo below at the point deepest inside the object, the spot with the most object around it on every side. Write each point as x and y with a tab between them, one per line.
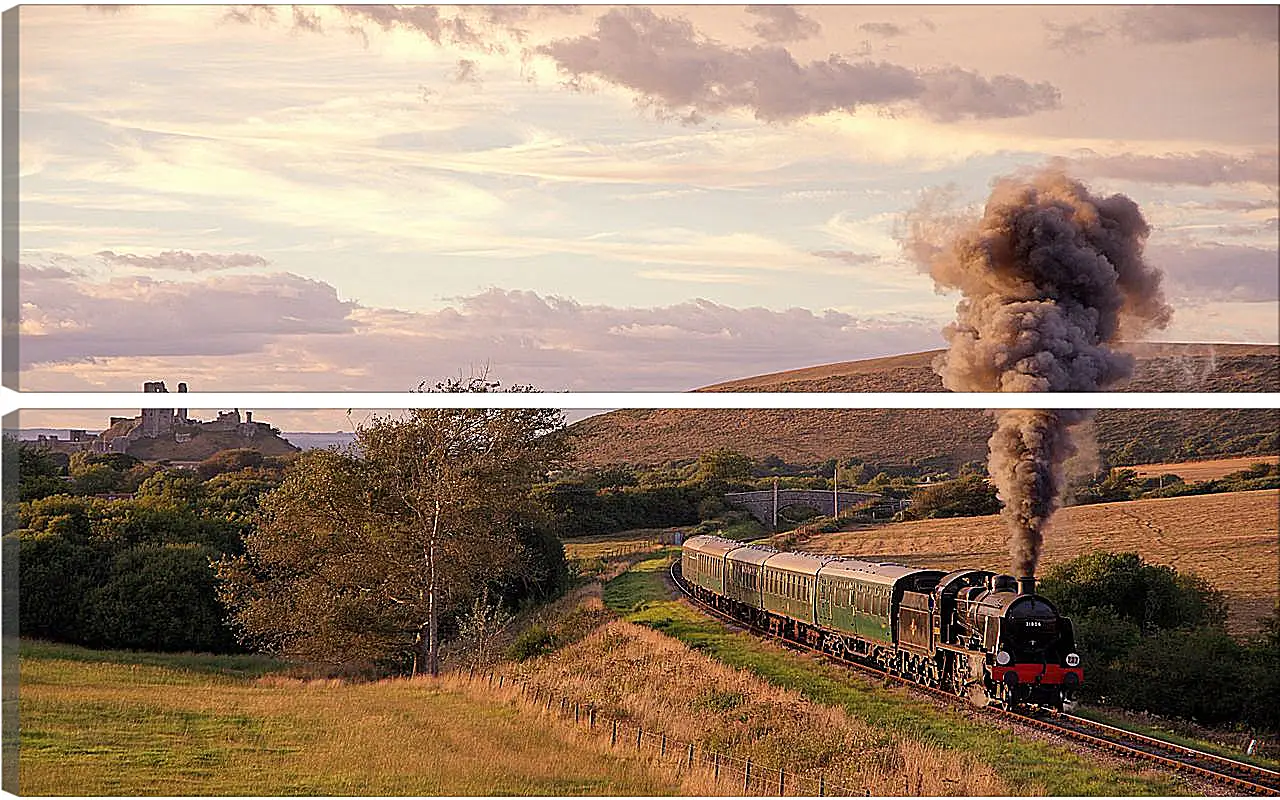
1152	596
723	466
36	469
360	554
970	496
232	460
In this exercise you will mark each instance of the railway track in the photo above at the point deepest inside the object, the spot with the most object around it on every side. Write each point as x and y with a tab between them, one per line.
1236	775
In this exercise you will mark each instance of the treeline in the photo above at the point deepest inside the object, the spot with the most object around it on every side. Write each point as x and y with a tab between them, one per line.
115	553
132	572
971	495
1153	639
616	498
1125	484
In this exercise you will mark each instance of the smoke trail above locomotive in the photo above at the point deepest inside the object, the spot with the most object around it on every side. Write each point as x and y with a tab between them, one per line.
1051	278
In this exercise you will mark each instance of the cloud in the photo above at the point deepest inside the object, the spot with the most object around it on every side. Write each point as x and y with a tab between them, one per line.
846	256
183	261
1203	168
1162	24
282	332
67	319
678	72
1073	37
885	29
1269	226
783	24
1213	272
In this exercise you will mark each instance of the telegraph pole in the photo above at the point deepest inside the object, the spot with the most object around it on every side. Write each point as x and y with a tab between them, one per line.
775	502
835	490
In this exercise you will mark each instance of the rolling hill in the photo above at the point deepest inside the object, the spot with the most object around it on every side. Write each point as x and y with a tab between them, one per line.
944	438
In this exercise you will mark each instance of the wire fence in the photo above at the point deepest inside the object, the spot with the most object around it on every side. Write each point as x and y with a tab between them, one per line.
740	776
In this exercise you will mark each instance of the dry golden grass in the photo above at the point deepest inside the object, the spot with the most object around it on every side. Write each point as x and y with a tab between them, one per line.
1231	539
650	680
613	544
944	438
120	729
1195	471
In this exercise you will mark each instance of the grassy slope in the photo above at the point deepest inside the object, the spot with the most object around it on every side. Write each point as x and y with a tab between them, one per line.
641	595
97	723
649	436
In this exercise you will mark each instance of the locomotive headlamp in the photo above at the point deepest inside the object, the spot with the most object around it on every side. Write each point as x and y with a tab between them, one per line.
1073	660
1003	658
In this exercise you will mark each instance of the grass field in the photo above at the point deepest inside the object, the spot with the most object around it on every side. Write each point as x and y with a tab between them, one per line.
96	723
780	706
610	544
1231	539
1195	471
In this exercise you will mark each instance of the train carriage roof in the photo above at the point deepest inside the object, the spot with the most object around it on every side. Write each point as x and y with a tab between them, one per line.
798	563
882	574
711	545
752	554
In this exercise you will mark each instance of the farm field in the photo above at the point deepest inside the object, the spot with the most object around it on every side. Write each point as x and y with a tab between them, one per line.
1231	539
98	723
1195	471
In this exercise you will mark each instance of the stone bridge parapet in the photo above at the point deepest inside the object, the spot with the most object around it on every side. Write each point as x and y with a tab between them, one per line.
761	504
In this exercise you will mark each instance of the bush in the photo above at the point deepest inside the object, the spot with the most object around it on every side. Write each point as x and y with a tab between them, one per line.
1152	596
158	598
969	496
1153	640
532	641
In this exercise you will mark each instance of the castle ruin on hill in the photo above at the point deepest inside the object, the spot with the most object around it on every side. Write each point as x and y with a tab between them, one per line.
169	432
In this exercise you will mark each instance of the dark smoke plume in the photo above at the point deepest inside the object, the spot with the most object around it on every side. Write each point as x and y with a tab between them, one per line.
1051	278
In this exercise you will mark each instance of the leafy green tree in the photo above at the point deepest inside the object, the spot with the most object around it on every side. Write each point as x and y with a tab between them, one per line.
1195	674
1152	596
362	554
719	468
158	597
57	567
98	473
177	486
233	460
970	496
37	471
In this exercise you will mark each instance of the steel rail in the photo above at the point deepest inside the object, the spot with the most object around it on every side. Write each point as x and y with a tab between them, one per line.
1241	775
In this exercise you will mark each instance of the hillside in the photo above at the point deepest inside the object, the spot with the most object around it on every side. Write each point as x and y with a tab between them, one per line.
206	443
1230	539
945	438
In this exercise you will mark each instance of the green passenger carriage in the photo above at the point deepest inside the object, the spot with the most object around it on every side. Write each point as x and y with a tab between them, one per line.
961	630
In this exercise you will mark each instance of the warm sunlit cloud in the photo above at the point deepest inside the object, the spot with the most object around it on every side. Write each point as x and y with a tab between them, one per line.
330	197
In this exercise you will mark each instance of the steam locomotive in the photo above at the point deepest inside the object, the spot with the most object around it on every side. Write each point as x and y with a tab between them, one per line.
975	633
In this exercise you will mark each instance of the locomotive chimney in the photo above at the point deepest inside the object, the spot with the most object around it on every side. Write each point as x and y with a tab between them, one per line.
1027	585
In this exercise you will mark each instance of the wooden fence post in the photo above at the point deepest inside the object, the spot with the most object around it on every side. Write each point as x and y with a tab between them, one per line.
716	764
613	740
663	752
822	786
639	736
591	720
690	757
782	782
575	713
746	778
501	679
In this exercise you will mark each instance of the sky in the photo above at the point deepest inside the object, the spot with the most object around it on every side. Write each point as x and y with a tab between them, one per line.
594	198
